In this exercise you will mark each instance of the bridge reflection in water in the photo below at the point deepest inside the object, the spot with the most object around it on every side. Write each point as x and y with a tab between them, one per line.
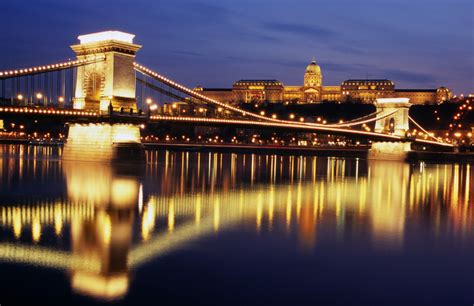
119	218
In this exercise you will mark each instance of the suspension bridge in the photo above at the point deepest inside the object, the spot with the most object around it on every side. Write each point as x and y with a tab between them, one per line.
105	95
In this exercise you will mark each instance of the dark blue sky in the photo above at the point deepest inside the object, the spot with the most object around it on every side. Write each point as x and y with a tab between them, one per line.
416	43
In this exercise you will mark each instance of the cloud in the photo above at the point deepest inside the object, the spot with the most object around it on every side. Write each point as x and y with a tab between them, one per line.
301	29
186	53
346	68
346	49
409	76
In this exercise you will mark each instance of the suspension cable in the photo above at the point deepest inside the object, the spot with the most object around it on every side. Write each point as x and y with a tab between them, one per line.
361	118
48	68
363	121
422	129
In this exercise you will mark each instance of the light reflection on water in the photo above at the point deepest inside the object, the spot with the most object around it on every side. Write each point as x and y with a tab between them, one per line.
99	223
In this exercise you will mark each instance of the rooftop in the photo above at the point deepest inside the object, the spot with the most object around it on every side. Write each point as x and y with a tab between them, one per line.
415	90
367	80
216	89
270	82
106	35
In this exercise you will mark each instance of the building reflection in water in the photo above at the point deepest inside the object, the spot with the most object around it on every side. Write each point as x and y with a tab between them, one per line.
120	218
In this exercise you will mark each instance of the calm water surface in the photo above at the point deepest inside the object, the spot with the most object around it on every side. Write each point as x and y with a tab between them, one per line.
234	229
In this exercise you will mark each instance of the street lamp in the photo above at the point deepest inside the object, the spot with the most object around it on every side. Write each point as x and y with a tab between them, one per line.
40	97
148	102
19	97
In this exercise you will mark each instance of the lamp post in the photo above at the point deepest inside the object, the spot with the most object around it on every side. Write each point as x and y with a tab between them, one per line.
39	96
61	101
152	107
19	97
148	102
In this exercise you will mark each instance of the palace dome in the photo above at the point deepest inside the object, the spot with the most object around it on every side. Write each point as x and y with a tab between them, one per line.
313	68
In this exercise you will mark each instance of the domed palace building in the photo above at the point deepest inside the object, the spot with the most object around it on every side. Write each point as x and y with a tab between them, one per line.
313	91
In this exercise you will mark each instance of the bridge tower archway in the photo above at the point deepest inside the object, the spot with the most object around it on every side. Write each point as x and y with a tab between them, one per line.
398	122
109	76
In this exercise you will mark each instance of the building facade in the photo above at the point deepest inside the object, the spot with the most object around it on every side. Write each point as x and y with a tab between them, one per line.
313	91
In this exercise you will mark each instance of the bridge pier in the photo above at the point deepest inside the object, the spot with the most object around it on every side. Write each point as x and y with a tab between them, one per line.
384	150
104	142
397	123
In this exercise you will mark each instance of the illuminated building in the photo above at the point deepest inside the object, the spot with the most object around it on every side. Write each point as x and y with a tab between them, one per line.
258	90
313	91
367	90
421	96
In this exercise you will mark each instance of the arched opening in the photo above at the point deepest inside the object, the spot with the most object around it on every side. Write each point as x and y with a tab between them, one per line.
391	126
93	89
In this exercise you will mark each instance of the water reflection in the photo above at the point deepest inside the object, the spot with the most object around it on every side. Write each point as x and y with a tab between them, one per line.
106	238
99	222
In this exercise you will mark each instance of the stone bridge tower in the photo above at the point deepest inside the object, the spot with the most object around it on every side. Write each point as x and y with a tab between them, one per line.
111	78
395	124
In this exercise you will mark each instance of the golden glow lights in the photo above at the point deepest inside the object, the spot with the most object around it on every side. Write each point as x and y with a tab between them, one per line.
328	129
47	68
48	111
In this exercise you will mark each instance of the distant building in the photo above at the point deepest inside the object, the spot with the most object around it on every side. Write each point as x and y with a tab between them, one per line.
367	90
313	91
423	96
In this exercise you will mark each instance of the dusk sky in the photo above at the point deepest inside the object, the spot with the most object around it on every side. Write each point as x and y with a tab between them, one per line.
416	43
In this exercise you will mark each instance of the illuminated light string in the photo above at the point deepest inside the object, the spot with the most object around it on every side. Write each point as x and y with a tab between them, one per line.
422	129
276	124
359	121
47	68
47	111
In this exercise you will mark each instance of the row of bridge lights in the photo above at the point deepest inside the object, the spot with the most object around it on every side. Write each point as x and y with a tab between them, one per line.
47	111
46	68
38	96
291	116
274	124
